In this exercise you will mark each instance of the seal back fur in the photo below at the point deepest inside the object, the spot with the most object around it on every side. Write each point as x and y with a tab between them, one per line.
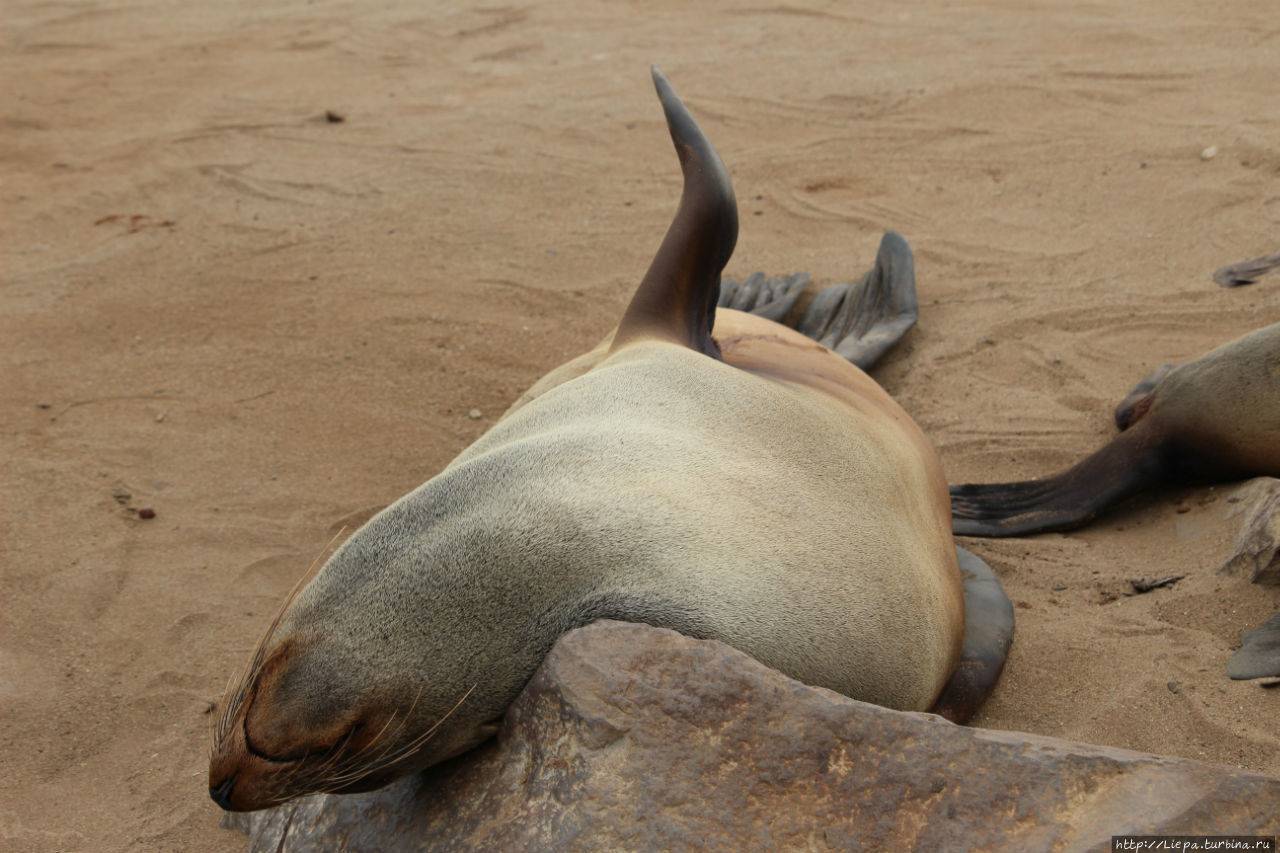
738	482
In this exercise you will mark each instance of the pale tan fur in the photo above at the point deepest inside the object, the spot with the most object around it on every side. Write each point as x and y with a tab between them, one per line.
1227	402
779	501
795	489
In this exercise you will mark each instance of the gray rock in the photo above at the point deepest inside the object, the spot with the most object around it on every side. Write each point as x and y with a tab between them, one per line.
1256	549
1259	653
636	738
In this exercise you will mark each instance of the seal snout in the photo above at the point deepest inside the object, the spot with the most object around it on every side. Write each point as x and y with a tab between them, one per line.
278	739
221	793
238	779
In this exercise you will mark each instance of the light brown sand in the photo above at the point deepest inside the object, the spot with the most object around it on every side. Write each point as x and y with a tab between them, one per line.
294	333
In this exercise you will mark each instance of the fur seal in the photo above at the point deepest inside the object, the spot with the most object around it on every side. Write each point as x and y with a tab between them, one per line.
1210	420
744	484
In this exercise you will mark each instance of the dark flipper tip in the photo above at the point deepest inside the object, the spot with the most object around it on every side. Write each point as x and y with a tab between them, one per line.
1008	509
988	635
1132	461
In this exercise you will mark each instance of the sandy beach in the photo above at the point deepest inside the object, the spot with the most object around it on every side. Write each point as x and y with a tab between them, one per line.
268	266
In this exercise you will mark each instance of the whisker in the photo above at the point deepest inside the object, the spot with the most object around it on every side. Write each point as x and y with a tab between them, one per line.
403	721
233	699
359	767
412	746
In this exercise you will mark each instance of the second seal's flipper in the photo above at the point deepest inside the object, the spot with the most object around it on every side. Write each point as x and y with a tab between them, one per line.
1259	655
771	298
1121	469
861	322
988	634
1138	401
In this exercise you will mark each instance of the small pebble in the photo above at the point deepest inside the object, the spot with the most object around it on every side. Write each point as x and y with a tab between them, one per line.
146	512
1209	153
475	414
333	117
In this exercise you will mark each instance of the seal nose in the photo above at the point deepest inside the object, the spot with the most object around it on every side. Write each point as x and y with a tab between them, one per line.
222	794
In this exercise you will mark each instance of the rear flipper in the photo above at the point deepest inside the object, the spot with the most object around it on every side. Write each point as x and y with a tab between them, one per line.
988	633
1259	656
1133	461
861	322
771	298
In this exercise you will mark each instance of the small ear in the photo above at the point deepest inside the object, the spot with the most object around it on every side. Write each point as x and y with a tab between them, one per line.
676	301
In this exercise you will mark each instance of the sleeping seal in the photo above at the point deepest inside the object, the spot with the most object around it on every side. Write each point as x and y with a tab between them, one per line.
744	484
1213	419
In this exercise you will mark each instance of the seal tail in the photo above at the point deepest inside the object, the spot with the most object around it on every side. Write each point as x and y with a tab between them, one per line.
676	300
1130	463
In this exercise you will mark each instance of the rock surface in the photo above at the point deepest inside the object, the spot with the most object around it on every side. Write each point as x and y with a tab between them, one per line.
636	738
1259	653
1256	549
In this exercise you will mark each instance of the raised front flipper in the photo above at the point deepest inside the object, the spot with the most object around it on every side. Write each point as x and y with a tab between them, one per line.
988	634
1259	654
676	300
1130	463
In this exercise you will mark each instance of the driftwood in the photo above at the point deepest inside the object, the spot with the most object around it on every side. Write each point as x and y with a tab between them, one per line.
1246	272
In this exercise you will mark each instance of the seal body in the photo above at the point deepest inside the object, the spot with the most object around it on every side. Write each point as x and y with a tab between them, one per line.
711	472
1220	414
778	500
1210	420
